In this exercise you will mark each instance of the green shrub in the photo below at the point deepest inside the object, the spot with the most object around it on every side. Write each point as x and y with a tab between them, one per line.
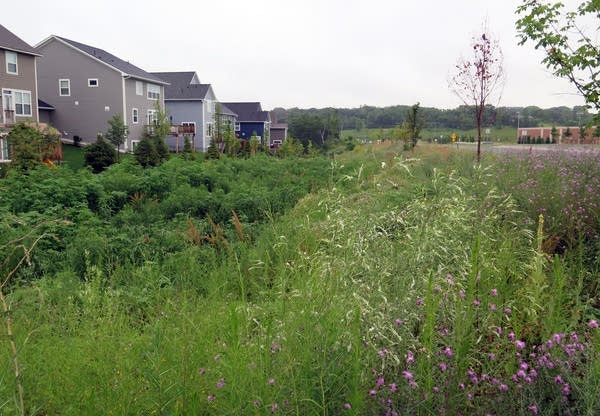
99	155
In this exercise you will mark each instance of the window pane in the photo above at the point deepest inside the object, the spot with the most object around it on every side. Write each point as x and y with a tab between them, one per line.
11	62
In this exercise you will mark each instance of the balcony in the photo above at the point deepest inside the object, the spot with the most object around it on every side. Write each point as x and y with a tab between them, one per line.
174	130
187	129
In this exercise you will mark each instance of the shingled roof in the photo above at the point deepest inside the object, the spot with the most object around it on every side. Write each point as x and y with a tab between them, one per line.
181	87
109	59
249	112
12	42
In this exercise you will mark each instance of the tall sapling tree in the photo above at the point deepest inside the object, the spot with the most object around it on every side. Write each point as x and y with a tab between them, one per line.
479	79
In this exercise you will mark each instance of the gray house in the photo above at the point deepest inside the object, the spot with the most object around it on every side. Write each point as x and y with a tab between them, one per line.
193	106
87	86
17	85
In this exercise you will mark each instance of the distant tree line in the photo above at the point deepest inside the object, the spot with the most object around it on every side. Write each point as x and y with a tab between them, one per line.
321	125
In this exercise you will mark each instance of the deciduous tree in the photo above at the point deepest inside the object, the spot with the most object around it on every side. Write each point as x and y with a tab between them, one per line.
479	79
117	132
571	46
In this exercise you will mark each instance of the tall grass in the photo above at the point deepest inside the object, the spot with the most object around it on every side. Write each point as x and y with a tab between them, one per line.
408	284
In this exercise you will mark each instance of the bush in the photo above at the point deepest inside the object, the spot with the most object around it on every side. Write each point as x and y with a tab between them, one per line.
99	155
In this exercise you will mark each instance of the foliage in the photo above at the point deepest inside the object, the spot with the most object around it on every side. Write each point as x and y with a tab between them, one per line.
146	153
99	155
414	125
188	150
213	152
189	288
117	131
290	148
231	142
25	146
480	78
318	128
571	47
459	118
254	144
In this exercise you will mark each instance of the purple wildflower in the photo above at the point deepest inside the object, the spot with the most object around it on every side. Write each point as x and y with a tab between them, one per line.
593	324
347	406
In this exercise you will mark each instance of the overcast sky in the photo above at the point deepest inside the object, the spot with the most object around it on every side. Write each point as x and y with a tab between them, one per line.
302	53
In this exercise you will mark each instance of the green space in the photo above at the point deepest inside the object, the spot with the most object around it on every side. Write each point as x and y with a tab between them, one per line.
380	281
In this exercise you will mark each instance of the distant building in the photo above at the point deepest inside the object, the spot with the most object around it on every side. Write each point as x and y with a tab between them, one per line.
251	119
563	136
192	109
278	132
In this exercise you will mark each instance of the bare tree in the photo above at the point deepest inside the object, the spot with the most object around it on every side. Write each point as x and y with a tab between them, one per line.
479	79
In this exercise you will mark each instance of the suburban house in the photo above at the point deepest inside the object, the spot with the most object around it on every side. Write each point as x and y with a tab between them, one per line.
87	86
193	108
565	135
251	119
278	132
18	85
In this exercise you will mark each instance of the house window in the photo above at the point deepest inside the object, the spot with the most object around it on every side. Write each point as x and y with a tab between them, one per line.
209	129
22	103
11	63
64	86
209	105
152	117
134	144
139	88
135	115
237	126
153	92
276	142
92	82
4	157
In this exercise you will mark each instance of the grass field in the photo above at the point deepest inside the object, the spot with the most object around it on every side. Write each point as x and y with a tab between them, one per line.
72	156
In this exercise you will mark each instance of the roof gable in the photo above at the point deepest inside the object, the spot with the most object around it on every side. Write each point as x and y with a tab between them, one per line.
108	59
183	86
249	112
12	42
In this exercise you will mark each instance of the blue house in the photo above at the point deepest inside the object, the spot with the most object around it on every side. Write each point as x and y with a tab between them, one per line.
251	119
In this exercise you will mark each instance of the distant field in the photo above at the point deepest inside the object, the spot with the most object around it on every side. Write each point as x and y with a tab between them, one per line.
504	135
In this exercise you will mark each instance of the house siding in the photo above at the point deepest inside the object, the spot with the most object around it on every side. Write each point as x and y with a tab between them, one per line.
86	111
248	128
25	81
187	111
143	104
